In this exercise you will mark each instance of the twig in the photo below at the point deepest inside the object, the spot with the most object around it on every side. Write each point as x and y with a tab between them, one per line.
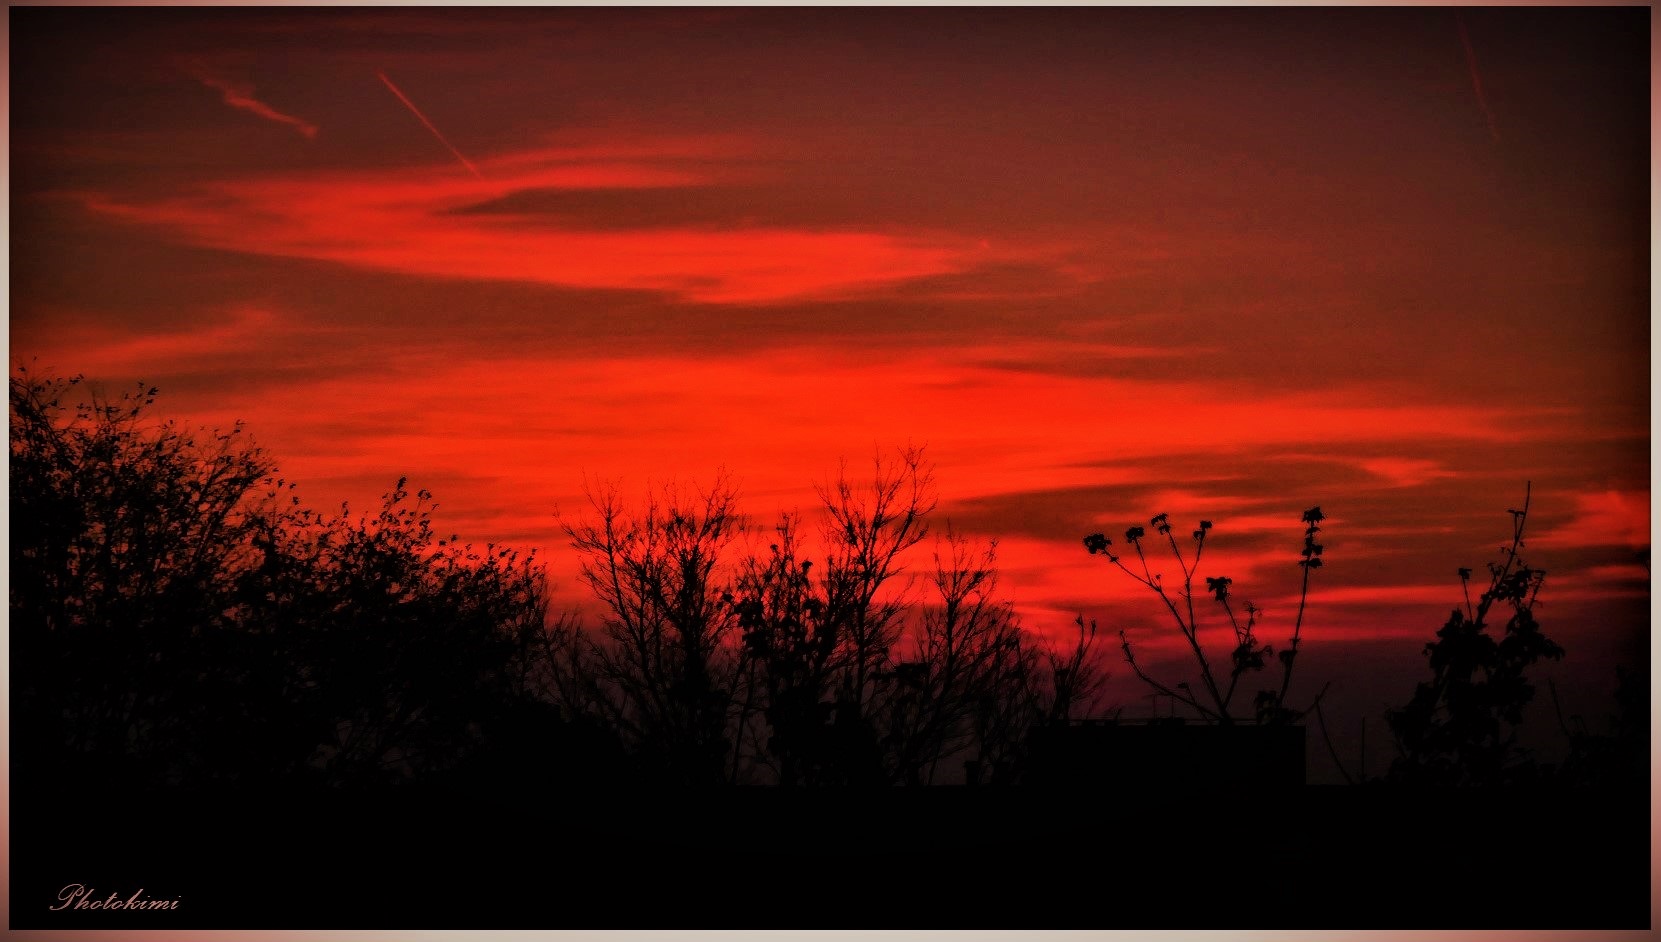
1558	709
1321	719
1124	643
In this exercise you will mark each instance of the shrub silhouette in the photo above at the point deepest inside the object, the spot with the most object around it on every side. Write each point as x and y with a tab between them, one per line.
1248	654
1460	726
406	642
793	652
129	542
179	619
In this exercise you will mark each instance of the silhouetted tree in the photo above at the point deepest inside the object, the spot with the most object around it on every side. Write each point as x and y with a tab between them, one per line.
662	673
1077	677
790	652
1460	726
855	678
978	686
820	646
869	529
967	648
867	534
838	673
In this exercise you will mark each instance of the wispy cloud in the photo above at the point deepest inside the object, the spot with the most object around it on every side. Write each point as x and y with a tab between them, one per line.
240	95
228	335
1605	518
414	221
1404	472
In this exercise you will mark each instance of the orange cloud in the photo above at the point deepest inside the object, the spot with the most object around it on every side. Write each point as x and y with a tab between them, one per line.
428	221
1605	518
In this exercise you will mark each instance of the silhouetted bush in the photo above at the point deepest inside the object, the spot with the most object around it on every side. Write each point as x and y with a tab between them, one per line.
179	619
407	647
1248	655
1460	726
130	541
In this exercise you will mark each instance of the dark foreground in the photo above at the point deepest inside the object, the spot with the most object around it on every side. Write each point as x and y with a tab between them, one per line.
1366	858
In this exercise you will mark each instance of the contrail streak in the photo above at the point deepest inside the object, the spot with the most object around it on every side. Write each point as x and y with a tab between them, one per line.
1476	79
417	112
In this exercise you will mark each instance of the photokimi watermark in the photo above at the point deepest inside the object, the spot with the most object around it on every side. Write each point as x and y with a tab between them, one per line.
80	896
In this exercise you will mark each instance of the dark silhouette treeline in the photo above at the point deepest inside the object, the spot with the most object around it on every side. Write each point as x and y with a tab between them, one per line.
797	670
179	618
194	649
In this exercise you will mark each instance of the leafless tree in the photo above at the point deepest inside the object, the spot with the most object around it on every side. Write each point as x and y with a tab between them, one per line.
662	673
839	669
976	685
868	530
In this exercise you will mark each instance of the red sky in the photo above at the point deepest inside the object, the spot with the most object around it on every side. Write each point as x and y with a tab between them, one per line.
1103	263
